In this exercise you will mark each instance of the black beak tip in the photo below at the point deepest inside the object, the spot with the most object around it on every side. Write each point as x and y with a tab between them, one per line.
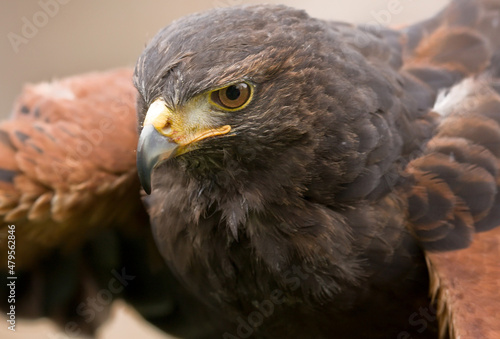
152	148
145	179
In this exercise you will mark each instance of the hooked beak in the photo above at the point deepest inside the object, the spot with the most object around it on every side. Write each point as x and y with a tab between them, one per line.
164	137
151	150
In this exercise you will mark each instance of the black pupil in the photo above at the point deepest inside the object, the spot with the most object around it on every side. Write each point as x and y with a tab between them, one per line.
233	92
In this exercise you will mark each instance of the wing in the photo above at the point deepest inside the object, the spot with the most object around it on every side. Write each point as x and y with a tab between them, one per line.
68	184
456	182
68	150
456	194
466	284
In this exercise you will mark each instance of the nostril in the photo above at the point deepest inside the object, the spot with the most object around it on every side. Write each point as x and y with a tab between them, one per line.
167	129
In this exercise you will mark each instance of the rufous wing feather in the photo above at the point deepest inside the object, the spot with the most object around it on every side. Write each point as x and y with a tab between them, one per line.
454	198
68	161
454	209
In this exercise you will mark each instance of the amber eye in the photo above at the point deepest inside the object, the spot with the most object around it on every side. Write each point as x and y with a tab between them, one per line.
232	97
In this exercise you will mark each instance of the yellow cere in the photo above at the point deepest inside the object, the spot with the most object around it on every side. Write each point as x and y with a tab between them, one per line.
192	122
158	114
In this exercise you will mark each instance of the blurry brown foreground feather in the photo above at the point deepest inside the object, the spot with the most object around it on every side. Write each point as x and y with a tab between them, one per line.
68	153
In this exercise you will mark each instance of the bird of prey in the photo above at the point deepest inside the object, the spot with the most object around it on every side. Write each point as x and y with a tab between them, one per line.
304	178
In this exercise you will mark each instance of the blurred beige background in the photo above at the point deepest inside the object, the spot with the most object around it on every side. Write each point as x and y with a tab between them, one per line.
80	36
83	36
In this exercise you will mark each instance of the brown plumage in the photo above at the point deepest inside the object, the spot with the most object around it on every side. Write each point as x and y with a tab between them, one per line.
308	179
56	172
